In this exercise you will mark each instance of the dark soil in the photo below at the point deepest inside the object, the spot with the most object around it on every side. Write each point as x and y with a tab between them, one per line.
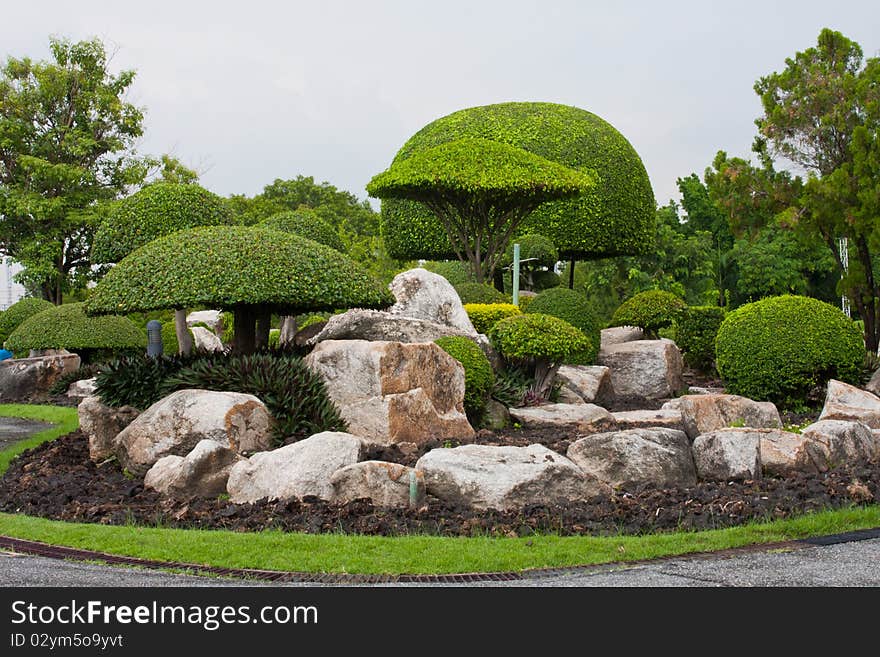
57	480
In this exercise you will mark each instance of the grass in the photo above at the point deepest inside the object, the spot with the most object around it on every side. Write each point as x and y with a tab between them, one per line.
339	553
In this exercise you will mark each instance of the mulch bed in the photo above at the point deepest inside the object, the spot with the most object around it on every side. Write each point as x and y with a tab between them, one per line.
57	480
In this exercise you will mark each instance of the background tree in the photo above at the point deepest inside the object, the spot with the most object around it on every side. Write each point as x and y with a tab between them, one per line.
66	144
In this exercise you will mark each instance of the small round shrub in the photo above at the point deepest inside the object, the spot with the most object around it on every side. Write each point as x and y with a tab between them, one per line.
454	271
781	348
695	331
480	293
545	280
18	312
575	309
538	250
305	222
535	335
484	315
651	311
478	375
525	300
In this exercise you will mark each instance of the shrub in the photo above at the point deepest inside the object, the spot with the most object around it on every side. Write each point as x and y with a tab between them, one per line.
651	311
484	315
537	249
305	222
525	300
478	375
695	331
137	380
18	312
541	342
170	345
68	327
480	293
294	395
575	309
780	348
454	271
512	385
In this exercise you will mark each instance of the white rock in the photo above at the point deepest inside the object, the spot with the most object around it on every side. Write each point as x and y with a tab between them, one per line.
205	340
101	424
211	318
592	383
296	470
728	454
650	369
424	295
384	484
201	473
377	325
619	335
82	388
846	402
579	417
705	413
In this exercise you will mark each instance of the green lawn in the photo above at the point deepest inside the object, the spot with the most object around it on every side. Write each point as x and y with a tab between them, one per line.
337	553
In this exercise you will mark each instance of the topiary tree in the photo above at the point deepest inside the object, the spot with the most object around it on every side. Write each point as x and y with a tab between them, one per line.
478	374
695	330
20	311
575	309
540	342
251	271
780	348
480	293
615	217
537	256
68	327
480	191
651	311
152	212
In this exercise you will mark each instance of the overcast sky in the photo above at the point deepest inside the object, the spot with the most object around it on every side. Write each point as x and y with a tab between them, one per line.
249	91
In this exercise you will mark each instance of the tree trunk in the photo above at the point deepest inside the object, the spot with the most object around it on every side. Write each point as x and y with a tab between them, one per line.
263	326
288	330
545	373
571	274
498	279
184	338
245	330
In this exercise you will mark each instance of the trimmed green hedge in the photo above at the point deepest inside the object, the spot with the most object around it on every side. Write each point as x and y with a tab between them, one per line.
480	293
616	217
479	377
780	348
538	336
695	331
575	309
154	211
226	266
651	310
13	316
485	315
305	222
454	271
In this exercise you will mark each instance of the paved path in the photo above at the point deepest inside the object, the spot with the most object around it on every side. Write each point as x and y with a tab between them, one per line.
843	564
13	429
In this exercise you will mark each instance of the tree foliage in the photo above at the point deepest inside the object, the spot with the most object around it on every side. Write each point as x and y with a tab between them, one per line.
305	222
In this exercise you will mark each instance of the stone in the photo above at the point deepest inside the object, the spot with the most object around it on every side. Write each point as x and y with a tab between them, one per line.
635	457
295	470
568	396
728	454
665	418
302	337
784	453
833	443
205	340
701	390
101	424
873	385
176	424
505	478
82	388
846	402
213	319
619	335
649	369
201	473
24	378
496	416
592	383
384	484
377	325
578	417
424	295
391	392
708	412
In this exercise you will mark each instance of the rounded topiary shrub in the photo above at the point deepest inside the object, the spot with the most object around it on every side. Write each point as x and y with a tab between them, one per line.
651	311
575	309
480	293
478	375
484	315
305	222
780	348
18	312
695	331
68	327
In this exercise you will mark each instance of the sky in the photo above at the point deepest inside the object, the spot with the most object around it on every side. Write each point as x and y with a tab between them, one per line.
249	91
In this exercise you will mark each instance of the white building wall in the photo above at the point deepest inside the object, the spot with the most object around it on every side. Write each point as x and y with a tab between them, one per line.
10	291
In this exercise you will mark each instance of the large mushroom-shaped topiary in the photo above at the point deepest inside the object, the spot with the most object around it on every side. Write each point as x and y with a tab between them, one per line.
155	211
615	217
18	312
251	271
68	327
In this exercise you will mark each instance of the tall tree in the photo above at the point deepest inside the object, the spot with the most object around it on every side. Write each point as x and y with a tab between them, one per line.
66	145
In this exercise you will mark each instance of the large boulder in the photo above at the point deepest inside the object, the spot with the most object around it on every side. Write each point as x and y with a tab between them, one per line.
663	418
378	325
574	417
728	454
846	402
488	477
201	473
424	295
101	424
592	383
635	457
708	412
649	369
384	484
82	388
25	378
784	453
205	340
296	470
873	385
176	424
391	392
619	335
833	443
213	319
